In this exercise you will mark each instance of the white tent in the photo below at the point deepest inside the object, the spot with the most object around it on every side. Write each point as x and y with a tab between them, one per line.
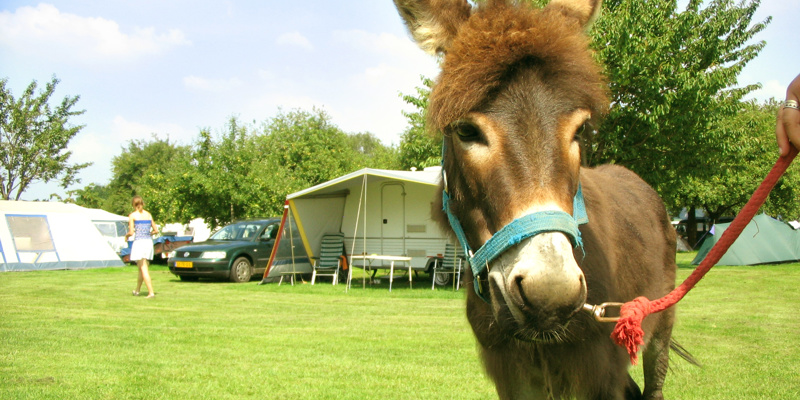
112	227
379	211
51	235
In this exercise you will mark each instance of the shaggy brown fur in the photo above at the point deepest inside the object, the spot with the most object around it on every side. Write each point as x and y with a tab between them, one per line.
498	38
516	86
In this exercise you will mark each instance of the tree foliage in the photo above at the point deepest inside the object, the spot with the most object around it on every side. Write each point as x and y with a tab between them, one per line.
370	152
34	138
308	145
143	168
217	185
419	148
240	171
733	171
672	80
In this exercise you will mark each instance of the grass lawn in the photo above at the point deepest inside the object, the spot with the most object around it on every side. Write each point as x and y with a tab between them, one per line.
81	335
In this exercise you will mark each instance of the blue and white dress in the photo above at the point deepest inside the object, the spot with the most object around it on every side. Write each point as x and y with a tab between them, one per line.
142	247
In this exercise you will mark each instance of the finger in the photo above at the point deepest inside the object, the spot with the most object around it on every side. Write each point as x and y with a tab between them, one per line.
780	135
790	123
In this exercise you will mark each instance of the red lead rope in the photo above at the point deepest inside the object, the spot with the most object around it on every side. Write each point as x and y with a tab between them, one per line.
628	332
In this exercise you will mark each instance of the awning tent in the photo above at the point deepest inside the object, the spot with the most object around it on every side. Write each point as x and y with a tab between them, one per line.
764	240
51	235
379	211
112	227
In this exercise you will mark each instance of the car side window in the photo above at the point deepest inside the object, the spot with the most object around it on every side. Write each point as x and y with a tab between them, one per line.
270	233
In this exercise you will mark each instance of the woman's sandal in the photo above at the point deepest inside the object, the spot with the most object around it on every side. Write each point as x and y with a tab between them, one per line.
150	296
135	293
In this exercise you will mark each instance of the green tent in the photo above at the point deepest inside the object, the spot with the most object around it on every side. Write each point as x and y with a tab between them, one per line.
764	240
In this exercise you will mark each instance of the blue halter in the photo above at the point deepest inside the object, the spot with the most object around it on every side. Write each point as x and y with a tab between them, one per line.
518	230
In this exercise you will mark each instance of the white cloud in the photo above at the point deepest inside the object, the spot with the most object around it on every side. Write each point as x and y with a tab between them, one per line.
125	130
385	44
774	7
771	88
266	75
268	104
372	101
294	39
96	149
46	32
211	85
374	104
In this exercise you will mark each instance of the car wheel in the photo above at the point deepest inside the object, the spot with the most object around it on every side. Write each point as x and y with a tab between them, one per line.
441	279
241	270
186	278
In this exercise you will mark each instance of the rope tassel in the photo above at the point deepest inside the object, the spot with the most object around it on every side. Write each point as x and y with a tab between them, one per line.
628	331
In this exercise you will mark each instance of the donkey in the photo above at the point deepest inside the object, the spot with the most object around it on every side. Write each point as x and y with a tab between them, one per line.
517	90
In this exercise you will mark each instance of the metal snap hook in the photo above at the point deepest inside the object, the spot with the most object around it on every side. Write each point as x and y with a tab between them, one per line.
599	311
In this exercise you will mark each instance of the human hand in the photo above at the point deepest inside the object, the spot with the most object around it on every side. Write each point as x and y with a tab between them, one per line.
787	133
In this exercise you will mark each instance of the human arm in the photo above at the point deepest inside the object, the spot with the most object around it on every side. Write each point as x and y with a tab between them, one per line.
787	131
130	227
153	226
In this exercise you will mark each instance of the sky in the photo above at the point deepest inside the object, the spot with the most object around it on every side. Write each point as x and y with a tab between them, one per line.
172	67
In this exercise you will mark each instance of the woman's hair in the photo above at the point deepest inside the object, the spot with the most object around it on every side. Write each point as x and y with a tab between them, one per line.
137	201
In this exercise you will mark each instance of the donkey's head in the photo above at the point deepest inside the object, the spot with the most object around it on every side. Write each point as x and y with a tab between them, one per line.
518	87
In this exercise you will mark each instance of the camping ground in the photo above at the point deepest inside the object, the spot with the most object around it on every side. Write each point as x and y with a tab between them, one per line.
81	335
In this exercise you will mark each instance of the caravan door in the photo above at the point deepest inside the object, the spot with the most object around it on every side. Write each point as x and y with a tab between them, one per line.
393	216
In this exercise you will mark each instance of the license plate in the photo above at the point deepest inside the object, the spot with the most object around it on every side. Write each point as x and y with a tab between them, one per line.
183	264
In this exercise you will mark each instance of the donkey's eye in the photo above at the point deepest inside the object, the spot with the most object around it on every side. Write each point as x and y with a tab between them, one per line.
579	132
466	130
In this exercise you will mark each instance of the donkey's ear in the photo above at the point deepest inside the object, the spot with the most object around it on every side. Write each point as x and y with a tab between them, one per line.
585	10
433	23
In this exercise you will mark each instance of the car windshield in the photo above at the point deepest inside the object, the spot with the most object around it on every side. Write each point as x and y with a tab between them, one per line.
238	231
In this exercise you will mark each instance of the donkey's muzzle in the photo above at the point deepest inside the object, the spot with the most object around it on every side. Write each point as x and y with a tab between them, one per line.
537	285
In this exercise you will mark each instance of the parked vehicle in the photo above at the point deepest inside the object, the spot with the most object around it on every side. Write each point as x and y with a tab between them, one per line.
236	252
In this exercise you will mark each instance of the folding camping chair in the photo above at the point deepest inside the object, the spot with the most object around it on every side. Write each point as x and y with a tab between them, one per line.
330	257
450	264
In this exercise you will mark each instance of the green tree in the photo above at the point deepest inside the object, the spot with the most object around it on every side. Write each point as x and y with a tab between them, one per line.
672	81
370	152
144	168
238	172
419	148
34	139
218	184
91	196
247	173
733	171
308	145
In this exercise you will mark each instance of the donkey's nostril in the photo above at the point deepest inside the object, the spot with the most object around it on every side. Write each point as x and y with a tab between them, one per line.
518	283
526	294
519	288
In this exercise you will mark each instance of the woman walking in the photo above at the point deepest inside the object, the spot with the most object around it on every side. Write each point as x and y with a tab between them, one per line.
141	226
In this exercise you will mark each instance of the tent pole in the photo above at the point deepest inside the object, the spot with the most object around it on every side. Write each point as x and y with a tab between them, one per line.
355	233
291	246
277	242
364	231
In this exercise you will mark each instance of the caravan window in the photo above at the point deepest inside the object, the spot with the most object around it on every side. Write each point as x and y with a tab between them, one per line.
31	233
